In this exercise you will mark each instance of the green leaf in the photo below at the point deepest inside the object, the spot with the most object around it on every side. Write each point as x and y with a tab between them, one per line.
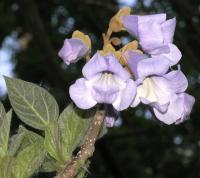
74	126
29	160
49	165
6	166
16	142
33	104
4	134
29	138
53	142
2	113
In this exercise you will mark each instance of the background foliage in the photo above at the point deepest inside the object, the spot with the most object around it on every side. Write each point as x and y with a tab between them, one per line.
141	147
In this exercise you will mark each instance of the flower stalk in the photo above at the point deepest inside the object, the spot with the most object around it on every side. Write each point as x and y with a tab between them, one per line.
72	168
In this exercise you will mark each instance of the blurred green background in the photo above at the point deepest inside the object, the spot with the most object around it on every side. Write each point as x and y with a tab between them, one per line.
32	32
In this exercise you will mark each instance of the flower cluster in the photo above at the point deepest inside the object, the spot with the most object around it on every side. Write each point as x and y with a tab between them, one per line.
140	72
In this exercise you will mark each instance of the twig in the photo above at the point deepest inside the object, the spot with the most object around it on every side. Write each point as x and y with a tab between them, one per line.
86	151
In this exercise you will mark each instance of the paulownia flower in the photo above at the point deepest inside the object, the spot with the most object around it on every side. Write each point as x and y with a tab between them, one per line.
155	35
163	92
75	48
111	115
105	81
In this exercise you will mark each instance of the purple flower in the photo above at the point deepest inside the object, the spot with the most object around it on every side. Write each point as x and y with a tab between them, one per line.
143	66
72	50
163	92
155	35
105	81
179	109
111	115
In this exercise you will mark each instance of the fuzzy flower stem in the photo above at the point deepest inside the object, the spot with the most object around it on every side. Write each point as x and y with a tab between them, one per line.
72	168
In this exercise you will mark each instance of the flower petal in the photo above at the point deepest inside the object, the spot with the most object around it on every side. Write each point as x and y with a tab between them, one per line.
142	67
157	65
80	93
126	96
168	28
116	68
179	109
78	46
150	38
131	22
153	91
72	50
188	105
133	58
174	54
108	63
156	105
94	66
105	89
178	83
174	112
158	18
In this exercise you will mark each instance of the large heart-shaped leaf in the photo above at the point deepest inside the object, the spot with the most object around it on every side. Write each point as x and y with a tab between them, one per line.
33	104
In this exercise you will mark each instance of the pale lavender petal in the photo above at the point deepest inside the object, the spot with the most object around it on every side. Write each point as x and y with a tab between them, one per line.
80	93
162	49
116	68
94	66
131	22
156	105
150	36
105	89
157	65
158	18
126	96
78	47
136	101
174	54
179	109
161	89
155	92
72	50
99	64
174	111
188	105
142	67
168	28
133	58
178	83
66	51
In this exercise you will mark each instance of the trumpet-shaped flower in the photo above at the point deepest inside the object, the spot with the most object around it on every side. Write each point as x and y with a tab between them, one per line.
75	48
72	50
163	92
155	35
105	81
